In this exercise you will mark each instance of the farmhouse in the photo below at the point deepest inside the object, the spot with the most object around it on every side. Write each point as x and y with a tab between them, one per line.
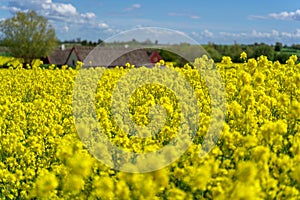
78	53
103	56
58	57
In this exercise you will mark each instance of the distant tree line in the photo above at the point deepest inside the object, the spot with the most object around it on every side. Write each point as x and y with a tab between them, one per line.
273	52
82	42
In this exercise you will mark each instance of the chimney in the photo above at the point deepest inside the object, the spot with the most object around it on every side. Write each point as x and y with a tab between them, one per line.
62	47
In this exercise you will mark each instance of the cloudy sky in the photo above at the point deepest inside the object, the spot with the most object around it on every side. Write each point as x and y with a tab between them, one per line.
215	21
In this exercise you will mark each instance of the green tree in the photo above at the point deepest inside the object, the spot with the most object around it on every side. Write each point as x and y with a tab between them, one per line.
278	46
250	51
264	49
281	57
235	52
28	36
214	54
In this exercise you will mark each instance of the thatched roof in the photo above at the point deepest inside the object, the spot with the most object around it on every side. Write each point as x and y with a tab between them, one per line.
118	56
59	56
82	51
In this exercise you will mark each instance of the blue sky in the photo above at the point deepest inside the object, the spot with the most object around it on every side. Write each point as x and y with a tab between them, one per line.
215	21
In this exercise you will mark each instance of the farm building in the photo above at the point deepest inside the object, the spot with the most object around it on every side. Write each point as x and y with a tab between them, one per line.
58	57
78	53
117	56
103	56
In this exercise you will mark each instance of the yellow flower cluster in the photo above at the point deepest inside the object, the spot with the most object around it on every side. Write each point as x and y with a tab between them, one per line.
44	156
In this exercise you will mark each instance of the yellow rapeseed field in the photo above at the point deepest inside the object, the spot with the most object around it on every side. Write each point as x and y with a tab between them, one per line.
44	155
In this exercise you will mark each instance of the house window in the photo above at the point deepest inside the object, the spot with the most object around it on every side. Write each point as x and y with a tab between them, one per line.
73	62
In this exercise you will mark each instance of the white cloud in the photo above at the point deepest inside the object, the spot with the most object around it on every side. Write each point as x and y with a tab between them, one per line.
88	15
133	7
280	16
194	17
296	34
286	34
56	12
254	34
110	32
46	6
286	15
275	33
207	33
61	9
103	25
183	14
66	29
259	36
136	6
250	37
203	34
226	34
67	20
